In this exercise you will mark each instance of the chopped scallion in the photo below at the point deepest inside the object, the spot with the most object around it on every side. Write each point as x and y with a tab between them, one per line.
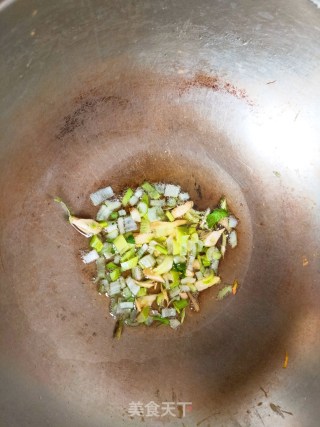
156	253
128	194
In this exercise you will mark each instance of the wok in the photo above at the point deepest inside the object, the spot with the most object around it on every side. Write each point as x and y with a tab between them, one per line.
220	97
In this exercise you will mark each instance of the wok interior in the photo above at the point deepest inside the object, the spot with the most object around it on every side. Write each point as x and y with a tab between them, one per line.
119	135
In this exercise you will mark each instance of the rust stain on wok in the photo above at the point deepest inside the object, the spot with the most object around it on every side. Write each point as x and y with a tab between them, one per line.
95	99
87	106
215	83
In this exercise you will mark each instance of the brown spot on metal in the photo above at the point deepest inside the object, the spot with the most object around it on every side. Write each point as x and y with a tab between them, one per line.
89	106
264	392
215	83
198	190
278	410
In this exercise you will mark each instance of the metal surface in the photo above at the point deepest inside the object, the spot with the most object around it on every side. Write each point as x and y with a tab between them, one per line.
221	97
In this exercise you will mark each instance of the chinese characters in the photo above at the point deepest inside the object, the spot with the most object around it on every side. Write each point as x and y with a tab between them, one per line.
152	409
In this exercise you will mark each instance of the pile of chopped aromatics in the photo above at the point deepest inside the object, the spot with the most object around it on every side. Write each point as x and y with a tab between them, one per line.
154	252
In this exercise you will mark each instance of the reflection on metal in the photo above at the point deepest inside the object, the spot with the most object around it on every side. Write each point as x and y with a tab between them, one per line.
286	138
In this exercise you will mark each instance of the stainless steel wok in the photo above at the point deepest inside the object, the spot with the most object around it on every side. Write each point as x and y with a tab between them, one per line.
221	97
